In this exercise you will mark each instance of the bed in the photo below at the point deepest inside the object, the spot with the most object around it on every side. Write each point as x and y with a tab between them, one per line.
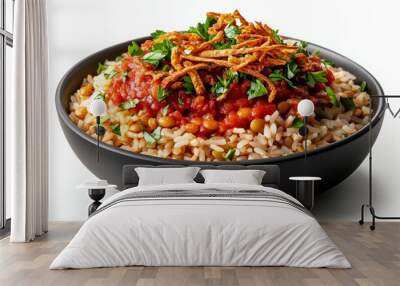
201	224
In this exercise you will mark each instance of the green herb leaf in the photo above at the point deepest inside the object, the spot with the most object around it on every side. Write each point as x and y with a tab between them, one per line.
164	110
134	49
164	47
348	103
222	85
165	68
116	129
297	123
303	48
277	75
156	34
327	63
100	68
110	74
363	86
315	77
153	137
230	154
154	58
256	89
156	133
291	69
98	96
188	85
226	44
202	29
332	96
231	31
276	36
129	104
162	94
149	139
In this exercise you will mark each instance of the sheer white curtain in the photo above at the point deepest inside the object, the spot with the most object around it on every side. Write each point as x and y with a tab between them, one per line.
27	152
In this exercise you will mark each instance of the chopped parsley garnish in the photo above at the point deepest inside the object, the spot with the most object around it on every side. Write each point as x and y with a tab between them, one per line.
202	29
303	48
332	96
230	154
297	123
98	96
277	75
327	63
231	31
165	68
162	94
100	68
157	33
291	69
256	89
222	86
153	137
276	36
134	49
129	104
124	76
347	103
116	129
110	74
226	44
363	86
316	77
164	110
188	85
159	52
154	58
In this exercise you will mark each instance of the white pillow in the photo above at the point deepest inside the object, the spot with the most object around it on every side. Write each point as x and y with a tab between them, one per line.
163	176
248	177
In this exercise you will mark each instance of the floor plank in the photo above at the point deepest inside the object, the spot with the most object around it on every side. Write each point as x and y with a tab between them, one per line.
375	257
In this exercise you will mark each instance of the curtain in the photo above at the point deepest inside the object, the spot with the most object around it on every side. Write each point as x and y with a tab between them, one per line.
27	152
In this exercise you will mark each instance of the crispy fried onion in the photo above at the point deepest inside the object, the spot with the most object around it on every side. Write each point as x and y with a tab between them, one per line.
178	74
271	87
252	50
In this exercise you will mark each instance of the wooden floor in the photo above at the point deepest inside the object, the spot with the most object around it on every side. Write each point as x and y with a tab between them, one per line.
375	257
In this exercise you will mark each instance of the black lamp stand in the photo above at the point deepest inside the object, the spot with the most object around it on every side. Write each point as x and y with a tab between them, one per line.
100	131
369	205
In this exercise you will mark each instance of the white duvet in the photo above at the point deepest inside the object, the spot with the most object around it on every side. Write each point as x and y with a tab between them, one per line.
200	231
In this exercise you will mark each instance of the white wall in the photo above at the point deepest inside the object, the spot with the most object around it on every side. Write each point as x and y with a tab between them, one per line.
362	30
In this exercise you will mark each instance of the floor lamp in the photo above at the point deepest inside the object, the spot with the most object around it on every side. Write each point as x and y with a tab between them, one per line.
369	205
98	108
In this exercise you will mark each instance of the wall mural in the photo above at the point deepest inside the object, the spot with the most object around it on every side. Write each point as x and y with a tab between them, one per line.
223	92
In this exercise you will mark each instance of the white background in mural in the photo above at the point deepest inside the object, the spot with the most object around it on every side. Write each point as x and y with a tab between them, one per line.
364	31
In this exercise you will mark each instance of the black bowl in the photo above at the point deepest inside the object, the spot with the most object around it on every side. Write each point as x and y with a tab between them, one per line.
333	163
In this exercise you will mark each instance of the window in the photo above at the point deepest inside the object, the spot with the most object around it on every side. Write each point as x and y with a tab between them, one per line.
6	43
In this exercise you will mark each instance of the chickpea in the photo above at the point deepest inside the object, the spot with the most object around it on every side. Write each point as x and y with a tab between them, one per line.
136	127
283	107
244	112
257	125
166	122
191	128
152	123
210	124
288	142
218	155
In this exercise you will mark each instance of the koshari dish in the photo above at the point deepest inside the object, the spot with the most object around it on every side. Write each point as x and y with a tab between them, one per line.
226	89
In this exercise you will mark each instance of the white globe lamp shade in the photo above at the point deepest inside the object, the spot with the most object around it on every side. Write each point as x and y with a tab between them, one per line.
98	107
305	107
